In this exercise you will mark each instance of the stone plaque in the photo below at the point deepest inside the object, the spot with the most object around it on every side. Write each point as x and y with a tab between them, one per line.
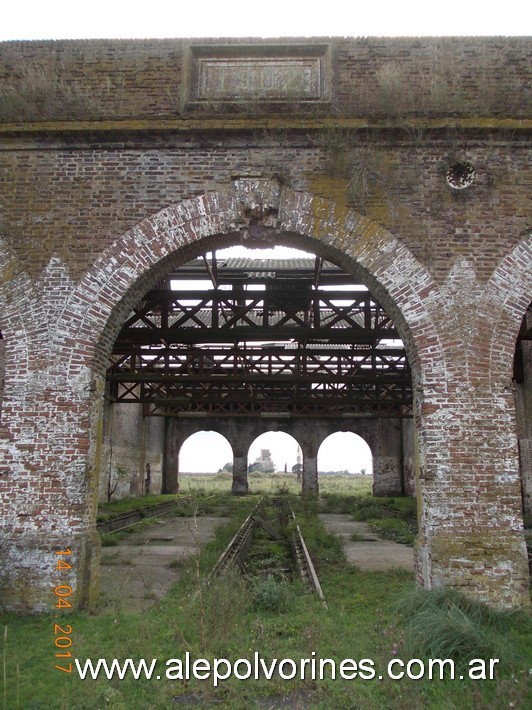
259	73
262	78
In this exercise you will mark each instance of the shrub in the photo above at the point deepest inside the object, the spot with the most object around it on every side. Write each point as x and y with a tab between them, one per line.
269	595
369	512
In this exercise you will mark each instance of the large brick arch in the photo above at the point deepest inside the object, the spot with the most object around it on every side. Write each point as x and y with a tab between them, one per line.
251	211
463	542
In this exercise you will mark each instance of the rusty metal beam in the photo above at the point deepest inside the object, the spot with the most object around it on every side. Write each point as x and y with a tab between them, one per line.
290	347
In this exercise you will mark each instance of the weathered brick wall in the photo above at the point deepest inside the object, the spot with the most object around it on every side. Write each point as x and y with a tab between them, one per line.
94	214
72	203
372	76
115	180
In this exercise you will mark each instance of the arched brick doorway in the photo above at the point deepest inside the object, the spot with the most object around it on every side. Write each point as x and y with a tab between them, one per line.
464	505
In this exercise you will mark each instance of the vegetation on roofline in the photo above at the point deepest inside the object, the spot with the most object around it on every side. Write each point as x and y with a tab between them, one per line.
47	90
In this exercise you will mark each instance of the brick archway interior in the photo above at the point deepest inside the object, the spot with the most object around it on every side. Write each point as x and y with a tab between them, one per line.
460	541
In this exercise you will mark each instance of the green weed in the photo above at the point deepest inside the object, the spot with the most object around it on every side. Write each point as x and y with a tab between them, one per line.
393	529
269	595
445	623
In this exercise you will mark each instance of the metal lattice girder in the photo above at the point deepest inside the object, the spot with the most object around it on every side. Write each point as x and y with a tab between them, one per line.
302	410
307	399
304	360
301	340
216	315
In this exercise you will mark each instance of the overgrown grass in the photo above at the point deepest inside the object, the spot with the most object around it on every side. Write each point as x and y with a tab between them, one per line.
392	518
117	507
393	529
234	618
339	503
444	623
277	483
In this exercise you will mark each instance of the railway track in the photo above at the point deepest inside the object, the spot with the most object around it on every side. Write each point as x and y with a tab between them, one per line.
269	542
305	566
133	517
236	550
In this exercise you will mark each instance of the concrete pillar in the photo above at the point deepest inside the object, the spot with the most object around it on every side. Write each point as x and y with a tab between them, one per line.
387	468
310	473
240	434
171	456
131	443
240	474
309	434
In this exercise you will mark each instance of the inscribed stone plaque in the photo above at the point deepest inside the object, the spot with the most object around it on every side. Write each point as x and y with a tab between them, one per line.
259	77
262	73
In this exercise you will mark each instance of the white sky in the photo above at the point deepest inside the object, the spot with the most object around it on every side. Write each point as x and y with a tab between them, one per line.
67	19
207	452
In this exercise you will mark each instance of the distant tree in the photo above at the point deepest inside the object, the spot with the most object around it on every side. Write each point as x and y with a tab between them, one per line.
363	471
228	467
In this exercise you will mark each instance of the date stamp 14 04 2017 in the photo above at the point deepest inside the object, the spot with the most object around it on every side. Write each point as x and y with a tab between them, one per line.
63	632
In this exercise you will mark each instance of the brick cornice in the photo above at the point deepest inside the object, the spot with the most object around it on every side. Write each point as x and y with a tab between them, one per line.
239	123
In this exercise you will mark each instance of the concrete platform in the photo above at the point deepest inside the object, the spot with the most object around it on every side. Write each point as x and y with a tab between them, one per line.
141	569
370	552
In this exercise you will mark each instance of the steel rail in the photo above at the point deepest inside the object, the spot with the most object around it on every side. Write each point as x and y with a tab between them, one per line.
133	517
238	548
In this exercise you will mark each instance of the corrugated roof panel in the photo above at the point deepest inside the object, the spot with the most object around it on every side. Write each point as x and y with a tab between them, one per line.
247	264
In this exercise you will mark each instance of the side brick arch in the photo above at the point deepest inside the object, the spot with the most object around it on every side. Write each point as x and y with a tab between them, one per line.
503	304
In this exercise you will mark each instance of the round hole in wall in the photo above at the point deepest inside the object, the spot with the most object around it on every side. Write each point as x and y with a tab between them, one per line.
460	175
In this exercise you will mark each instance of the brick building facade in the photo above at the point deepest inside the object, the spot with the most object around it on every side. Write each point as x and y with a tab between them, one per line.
406	162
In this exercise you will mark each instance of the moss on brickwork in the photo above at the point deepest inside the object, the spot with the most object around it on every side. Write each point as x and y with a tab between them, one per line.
482	563
94	211
330	187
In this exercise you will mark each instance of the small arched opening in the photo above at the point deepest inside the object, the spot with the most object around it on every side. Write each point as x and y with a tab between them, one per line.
273	463
205	462
345	464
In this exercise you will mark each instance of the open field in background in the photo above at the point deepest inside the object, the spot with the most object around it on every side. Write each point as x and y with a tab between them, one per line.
371	615
271	484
